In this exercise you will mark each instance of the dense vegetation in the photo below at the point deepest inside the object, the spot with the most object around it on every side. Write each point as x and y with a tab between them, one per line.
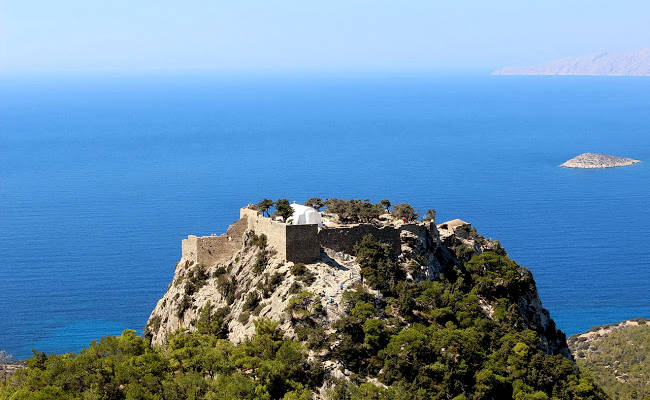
348	211
354	210
396	339
618	358
282	208
190	366
432	339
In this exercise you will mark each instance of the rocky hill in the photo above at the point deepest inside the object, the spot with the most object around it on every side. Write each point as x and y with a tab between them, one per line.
382	306
618	356
255	282
630	63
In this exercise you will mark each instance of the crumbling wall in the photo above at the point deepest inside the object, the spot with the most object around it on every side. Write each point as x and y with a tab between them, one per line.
275	231
211	250
296	243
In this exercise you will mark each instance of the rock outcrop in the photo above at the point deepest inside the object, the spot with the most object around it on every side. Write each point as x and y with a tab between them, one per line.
253	281
594	160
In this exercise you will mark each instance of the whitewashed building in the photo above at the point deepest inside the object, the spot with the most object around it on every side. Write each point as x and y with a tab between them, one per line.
303	215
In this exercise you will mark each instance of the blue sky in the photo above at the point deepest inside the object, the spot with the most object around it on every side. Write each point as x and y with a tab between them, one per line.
349	35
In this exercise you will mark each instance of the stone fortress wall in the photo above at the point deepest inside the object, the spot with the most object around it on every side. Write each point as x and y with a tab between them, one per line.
346	237
296	243
210	250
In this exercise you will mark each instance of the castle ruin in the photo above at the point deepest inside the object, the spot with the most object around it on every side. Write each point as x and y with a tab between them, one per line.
296	243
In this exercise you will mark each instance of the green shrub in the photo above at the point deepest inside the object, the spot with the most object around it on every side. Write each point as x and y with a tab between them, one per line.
179	280
270	283
385	204
154	324
264	206
195	280
354	210
303	274
258	309
213	322
314	336
261	262
304	305
259	240
185	303
430	216
295	287
244	317
252	300
298	269
227	287
284	209
405	211
378	266
218	272
315	202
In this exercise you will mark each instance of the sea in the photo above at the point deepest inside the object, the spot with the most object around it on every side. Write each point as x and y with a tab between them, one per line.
102	176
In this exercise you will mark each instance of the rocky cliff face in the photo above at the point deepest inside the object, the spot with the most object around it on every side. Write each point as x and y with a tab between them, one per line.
255	282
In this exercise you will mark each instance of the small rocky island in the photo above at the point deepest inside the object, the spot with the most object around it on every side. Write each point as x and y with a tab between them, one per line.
594	160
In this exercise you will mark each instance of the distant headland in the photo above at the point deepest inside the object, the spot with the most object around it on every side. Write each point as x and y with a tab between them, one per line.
628	63
594	160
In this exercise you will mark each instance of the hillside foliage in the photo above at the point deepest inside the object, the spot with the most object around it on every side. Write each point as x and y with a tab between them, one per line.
618	359
396	339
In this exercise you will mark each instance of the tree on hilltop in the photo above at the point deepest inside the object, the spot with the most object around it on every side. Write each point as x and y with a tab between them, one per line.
430	216
284	209
264	206
354	210
315	202
386	205
405	211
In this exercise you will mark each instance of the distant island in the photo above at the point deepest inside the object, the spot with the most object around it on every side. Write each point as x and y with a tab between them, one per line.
628	63
594	160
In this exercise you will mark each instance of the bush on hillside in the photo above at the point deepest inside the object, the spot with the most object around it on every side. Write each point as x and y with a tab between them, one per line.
404	211
354	210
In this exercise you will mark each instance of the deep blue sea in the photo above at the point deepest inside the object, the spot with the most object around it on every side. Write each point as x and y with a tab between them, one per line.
101	178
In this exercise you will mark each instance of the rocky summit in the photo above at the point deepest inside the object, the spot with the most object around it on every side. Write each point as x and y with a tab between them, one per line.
381	289
255	281
594	160
360	301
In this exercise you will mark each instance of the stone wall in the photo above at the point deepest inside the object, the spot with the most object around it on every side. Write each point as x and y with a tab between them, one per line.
420	229
211	250
296	243
423	230
345	238
275	231
302	243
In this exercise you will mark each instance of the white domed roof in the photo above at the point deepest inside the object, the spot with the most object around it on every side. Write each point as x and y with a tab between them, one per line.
303	215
